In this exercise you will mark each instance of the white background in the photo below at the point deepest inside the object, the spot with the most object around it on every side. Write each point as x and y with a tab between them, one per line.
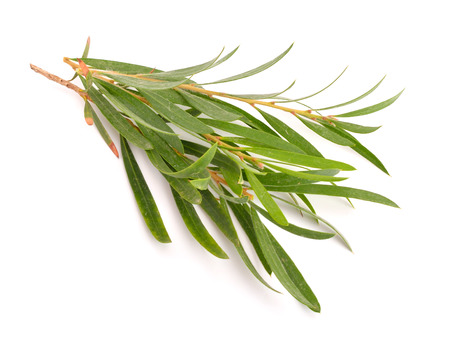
77	265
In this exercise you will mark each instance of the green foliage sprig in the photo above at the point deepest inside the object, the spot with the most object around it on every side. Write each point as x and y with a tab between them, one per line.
221	173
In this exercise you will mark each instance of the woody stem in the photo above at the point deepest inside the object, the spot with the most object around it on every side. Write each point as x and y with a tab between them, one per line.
61	81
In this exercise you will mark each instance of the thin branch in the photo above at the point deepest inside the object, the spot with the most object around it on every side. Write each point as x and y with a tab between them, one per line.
61	81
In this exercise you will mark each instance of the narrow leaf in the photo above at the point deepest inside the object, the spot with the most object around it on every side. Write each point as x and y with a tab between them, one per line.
225	58
201	183
283	267
253	71
287	180
266	200
263	96
181	185
355	127
196	227
301	159
216	212
316	93
143	196
208	107
86	48
116	66
101	129
118	122
290	135
306	175
307	202
371	109
183	72
338	191
198	167
175	114
326	133
318	218
359	148
353	100
257	135
140	112
300	231
142	83
242	213
246	117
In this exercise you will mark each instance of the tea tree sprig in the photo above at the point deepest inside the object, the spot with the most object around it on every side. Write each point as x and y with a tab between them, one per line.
249	164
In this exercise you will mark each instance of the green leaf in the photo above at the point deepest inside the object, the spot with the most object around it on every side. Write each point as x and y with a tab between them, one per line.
233	176
371	109
116	66
175	114
262	96
208	107
172	96
85	54
307	202
283	267
142	83
194	112
316	93
185	189
234	200
98	124
201	183
290	135
219	216
174	158
181	185
326	133
243	141
306	175
225	58
140	112
197	168
355	127
353	100
252	71
359	148
196	227
301	159
229	169
117	121
338	191
86	48
242	213
143	196
266	200
184	72
257	135
282	179
318	218
247	118
300	231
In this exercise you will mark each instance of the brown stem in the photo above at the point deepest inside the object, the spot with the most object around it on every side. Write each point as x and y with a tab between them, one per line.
61	81
191	87
241	155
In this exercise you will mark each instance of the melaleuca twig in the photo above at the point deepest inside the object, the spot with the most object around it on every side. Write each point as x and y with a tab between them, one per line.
248	172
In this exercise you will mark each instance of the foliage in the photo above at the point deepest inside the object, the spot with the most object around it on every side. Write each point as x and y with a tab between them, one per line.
262	167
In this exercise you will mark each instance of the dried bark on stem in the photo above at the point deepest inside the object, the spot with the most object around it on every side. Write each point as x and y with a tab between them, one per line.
61	81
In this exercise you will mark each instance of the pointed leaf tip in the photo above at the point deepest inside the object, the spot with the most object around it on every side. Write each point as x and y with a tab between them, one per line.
113	148
84	68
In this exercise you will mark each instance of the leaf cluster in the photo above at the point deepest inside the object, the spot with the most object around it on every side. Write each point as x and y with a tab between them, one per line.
248	165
